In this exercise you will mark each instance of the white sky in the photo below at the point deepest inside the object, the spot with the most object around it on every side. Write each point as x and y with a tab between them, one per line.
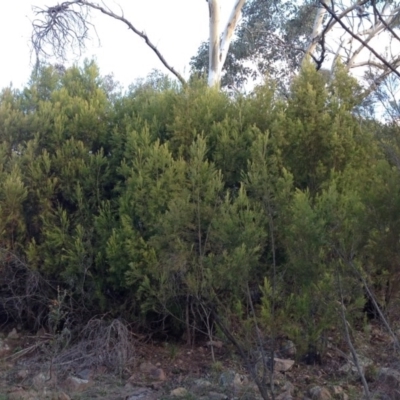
177	27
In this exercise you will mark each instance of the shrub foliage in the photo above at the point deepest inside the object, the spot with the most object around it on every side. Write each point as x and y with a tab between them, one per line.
159	203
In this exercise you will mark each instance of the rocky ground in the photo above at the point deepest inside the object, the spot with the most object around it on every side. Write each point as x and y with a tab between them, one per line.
31	368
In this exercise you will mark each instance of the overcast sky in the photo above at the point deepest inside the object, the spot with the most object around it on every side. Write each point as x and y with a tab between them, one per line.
177	27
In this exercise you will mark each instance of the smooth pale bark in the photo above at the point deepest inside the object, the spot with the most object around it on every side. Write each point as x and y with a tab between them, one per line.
319	18
229	30
219	44
214	48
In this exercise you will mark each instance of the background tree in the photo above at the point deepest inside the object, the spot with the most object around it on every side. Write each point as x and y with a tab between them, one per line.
275	37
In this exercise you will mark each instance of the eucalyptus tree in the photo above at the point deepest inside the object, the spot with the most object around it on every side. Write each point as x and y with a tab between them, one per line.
274	38
59	28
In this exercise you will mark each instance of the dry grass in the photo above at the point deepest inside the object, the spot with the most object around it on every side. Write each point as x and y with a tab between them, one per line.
106	346
102	343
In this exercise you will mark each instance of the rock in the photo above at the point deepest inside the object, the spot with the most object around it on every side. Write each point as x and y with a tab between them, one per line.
215	343
281	365
288	387
158	374
202	383
389	376
396	395
179	392
240	380
5	349
351	367
63	396
13	334
227	378
152	371
84	374
201	386
22	374
74	384
337	390
142	393
146	367
44	380
339	393
288	349
284	396
41	332
319	393
21	394
216	396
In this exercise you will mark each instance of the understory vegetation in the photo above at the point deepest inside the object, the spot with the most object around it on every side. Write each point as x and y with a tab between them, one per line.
192	213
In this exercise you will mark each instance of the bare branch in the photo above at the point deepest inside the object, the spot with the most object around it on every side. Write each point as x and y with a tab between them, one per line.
316	37
349	342
66	26
368	63
229	30
60	27
387	26
363	42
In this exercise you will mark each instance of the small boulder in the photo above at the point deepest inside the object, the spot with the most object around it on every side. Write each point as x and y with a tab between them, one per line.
200	386
13	335
339	393
363	362
179	392
44	380
284	396
281	365
227	378
389	376
21	375
202	383
85	374
240	380
319	393
63	396
288	349
5	349
21	394
74	384
152	372
141	393
215	343
216	396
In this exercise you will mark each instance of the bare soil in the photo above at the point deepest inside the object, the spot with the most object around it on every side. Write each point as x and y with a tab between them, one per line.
117	376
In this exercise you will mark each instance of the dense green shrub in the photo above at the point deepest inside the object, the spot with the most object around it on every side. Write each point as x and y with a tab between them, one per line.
165	201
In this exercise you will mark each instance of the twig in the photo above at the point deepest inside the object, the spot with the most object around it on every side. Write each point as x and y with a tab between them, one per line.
64	25
364	43
376	306
250	368
349	342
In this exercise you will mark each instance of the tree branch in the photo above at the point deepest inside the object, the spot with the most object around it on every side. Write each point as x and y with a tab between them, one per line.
364	43
227	34
387	26
62	25
348	339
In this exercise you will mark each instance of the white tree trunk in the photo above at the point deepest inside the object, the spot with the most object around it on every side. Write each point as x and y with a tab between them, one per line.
214	47
219	45
319	18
